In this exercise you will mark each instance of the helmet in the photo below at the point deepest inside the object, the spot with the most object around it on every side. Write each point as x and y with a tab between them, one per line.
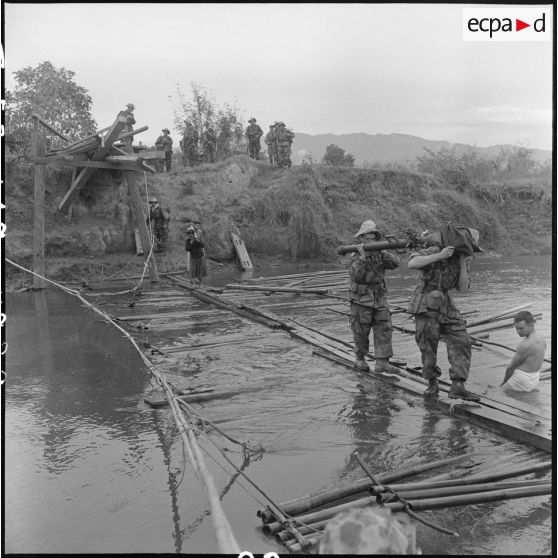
368	531
252	119
131	106
367	227
166	130
152	200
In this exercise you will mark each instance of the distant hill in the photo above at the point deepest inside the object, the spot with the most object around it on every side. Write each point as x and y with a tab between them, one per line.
384	148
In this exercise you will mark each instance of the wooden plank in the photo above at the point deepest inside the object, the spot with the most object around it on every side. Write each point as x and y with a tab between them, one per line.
241	252
276	289
49	127
98	155
137	240
201	294
133	132
533	433
70	162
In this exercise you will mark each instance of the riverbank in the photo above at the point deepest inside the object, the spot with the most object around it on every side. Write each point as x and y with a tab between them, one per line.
296	214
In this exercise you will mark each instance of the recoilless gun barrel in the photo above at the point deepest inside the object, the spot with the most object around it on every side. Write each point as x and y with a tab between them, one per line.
372	246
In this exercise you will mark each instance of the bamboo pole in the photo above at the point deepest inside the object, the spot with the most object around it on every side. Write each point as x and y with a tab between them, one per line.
418	504
133	192
499	315
495	325
314	500
275	289
427	493
474	498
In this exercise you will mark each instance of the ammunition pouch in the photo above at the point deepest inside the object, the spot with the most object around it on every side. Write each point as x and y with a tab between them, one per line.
434	299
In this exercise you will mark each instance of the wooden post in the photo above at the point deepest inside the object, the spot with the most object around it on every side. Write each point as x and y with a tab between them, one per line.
38	148
134	193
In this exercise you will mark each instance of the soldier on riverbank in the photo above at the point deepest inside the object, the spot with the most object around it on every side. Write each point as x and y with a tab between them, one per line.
284	139
443	266
164	143
254	133
160	225
271	142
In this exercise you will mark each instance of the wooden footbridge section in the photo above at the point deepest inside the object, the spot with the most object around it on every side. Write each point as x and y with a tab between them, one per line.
312	308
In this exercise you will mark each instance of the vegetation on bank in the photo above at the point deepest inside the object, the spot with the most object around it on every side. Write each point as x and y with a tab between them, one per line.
298	213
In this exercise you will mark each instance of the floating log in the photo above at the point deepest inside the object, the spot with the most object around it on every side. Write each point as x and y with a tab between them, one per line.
311	501
158	399
276	289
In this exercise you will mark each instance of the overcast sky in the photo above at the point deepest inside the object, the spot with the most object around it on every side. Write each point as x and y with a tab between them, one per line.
321	68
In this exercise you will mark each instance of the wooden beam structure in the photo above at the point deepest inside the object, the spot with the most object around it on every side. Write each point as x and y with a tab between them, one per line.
98	155
37	149
37	118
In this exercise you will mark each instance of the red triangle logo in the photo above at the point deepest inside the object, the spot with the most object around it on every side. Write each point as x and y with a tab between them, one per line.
519	25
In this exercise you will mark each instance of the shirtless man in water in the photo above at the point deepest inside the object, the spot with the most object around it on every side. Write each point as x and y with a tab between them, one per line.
522	374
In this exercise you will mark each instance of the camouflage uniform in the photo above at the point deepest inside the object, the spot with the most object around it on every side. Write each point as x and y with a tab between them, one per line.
164	143
254	133
160	226
284	141
271	147
369	307
189	146
444	322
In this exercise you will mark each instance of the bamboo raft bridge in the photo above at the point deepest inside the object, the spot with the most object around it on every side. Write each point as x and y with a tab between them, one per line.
277	305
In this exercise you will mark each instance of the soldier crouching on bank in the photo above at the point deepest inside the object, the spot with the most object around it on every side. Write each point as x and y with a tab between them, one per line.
369	307
443	266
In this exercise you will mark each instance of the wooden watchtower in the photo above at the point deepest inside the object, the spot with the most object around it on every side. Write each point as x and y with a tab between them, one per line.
97	151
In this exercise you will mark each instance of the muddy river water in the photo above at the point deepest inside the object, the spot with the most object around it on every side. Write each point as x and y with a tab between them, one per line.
91	468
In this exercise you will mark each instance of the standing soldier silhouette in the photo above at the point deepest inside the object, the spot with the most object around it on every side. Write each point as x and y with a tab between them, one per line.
254	133
164	143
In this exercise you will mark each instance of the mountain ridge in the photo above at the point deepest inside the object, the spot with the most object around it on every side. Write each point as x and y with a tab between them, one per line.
388	148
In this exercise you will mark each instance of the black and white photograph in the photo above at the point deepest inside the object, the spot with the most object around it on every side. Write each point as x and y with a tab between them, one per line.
278	278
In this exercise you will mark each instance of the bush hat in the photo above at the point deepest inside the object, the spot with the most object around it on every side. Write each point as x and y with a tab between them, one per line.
367	227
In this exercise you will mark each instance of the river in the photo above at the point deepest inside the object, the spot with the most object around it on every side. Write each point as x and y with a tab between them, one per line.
90	468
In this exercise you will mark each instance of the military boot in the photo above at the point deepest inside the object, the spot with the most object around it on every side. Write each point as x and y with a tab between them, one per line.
458	391
362	365
432	389
383	365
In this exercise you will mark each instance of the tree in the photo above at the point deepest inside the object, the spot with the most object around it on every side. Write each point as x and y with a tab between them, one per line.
336	156
53	94
203	111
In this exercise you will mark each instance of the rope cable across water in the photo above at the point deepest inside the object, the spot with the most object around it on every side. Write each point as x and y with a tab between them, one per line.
225	537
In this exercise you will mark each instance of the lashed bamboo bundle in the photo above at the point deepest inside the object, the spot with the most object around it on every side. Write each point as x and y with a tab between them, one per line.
423	495
311	501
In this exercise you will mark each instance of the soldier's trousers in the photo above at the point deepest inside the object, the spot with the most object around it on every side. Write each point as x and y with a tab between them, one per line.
271	155
254	148
161	236
428	331
168	160
189	157
365	319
